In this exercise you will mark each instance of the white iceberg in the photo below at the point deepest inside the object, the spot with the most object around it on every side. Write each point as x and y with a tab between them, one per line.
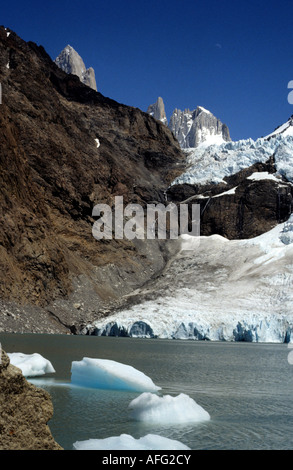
108	374
127	442
181	409
31	365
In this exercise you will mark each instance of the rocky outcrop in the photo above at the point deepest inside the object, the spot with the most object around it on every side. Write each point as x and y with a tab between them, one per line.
239	207
25	411
192	128
52	175
71	62
157	110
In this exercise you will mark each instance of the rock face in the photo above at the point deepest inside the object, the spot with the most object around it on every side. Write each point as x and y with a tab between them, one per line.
24	412
192	128
52	175
240	207
157	110
71	62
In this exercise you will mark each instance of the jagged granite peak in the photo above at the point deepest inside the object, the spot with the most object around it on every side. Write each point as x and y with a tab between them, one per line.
157	110
70	61
200	126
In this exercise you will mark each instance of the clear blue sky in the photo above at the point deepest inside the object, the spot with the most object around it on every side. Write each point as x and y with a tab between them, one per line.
232	57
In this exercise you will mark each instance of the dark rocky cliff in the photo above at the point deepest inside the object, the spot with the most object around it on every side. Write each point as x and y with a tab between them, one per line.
25	411
52	173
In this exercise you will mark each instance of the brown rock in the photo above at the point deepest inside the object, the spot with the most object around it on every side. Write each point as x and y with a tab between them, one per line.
52	174
24	412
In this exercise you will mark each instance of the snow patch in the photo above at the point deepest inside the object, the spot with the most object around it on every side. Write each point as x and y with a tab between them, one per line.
263	175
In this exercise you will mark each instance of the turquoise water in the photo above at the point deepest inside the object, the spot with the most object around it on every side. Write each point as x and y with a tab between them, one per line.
245	387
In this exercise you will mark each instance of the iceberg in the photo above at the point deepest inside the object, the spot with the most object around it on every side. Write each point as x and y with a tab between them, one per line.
108	374
31	365
181	409
127	442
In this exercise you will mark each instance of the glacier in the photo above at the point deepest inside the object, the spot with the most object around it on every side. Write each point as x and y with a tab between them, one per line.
108	374
211	164
182	409
127	442
31	365
216	289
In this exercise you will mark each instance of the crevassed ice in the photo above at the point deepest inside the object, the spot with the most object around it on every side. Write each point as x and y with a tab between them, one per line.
213	163
127	442
152	408
108	374
31	365
286	236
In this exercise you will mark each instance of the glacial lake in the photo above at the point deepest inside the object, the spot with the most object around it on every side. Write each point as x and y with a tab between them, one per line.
247	388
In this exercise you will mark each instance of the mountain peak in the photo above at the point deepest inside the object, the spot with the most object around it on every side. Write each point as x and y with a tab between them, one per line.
157	110
198	127
192	128
71	62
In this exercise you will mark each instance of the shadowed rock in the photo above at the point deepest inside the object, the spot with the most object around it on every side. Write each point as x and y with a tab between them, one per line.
25	411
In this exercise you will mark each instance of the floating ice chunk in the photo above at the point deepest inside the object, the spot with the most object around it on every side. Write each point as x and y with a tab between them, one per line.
167	409
107	374
127	442
31	365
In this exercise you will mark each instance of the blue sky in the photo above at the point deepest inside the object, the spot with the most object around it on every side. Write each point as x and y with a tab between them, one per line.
232	57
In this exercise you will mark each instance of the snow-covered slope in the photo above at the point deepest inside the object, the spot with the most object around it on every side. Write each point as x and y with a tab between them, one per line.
285	129
218	289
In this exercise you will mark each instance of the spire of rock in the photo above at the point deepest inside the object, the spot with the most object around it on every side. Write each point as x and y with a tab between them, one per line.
157	110
71	62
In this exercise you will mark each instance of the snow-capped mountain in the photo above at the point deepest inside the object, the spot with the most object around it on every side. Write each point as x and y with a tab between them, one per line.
71	62
192	128
198	127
